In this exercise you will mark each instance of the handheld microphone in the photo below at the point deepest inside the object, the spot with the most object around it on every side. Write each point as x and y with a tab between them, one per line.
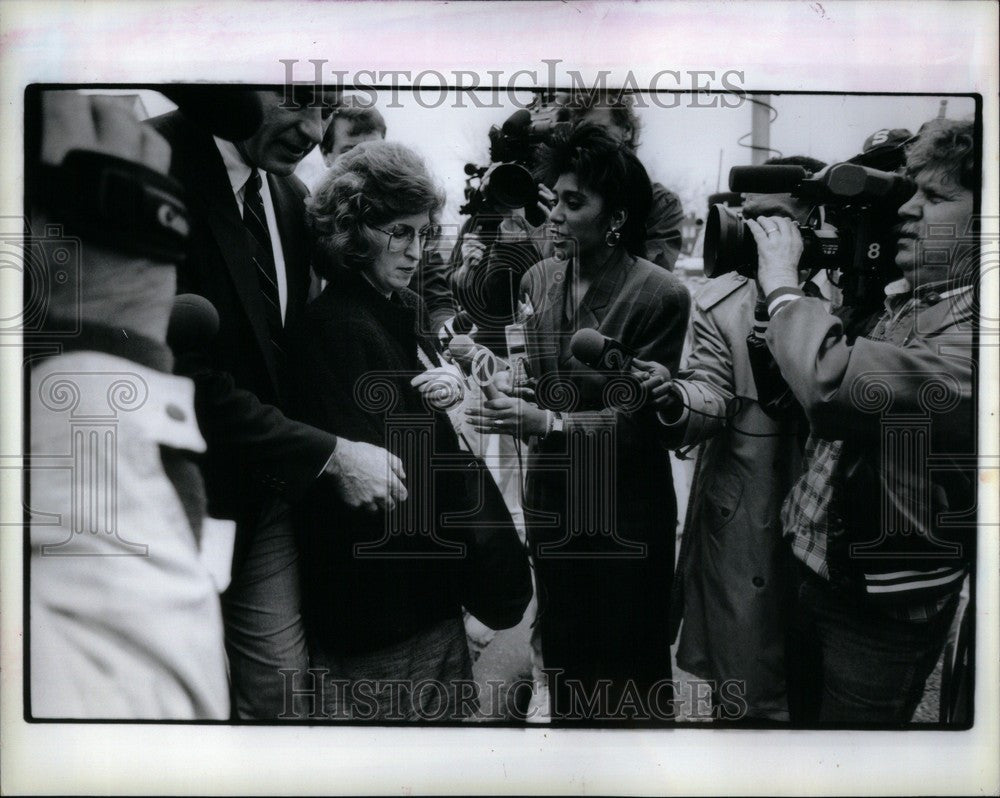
600	352
517	353
194	323
477	362
624	390
459	324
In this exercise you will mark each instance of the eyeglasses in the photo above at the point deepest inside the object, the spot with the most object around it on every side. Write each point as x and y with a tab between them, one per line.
402	235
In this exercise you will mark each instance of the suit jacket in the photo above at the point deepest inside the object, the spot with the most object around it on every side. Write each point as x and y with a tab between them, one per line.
603	598
254	449
728	575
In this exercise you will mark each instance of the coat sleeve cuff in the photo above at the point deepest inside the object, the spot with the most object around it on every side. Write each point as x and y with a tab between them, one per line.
780	297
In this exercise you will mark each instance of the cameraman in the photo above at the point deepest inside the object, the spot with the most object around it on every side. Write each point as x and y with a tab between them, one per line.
877	590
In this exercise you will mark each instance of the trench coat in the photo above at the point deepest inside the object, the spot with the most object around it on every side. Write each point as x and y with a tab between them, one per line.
728	584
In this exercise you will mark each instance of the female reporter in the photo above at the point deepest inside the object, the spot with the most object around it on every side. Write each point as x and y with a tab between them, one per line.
599	495
379	593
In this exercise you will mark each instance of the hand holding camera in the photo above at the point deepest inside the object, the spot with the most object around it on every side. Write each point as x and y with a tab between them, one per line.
779	248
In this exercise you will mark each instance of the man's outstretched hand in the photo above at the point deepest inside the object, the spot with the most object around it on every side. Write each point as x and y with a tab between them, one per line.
366	475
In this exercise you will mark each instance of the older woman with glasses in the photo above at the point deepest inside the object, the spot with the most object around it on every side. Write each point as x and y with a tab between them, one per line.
382	614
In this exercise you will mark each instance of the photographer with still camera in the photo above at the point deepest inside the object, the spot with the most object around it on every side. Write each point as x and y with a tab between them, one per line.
880	522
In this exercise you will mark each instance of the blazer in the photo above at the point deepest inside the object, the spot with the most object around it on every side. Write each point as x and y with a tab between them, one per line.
254	449
603	597
632	301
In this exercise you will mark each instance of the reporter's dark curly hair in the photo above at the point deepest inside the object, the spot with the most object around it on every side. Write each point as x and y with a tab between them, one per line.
947	145
610	168
370	185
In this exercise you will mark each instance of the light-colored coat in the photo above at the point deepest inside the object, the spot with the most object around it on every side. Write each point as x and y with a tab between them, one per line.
728	581
125	617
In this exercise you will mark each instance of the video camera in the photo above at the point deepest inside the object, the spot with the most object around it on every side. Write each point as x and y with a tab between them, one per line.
851	226
507	182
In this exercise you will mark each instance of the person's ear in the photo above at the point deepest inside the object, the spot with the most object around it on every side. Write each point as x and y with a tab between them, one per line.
618	219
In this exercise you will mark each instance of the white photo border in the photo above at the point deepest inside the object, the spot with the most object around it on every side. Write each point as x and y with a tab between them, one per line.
836	45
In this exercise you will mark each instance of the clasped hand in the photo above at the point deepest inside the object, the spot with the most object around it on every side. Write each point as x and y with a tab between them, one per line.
510	415
657	382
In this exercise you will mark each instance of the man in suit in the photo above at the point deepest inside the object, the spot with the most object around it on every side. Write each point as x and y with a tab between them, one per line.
249	256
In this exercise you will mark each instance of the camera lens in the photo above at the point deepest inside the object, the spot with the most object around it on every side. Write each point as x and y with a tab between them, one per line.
511	186
729	246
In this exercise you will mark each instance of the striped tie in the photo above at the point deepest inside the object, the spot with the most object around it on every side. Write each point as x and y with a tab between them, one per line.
263	257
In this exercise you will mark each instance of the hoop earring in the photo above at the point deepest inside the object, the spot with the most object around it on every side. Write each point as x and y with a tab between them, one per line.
612	237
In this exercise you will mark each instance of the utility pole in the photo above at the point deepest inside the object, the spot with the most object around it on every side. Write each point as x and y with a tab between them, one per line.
760	132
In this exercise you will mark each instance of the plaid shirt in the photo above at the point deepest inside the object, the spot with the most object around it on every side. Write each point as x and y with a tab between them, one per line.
809	515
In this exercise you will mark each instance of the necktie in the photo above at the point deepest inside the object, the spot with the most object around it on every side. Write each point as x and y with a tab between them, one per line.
262	256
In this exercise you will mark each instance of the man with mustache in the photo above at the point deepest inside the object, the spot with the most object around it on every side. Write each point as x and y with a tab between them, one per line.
881	523
249	256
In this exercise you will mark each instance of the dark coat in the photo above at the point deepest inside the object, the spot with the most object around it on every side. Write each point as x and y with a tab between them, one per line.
603	596
663	227
255	450
353	355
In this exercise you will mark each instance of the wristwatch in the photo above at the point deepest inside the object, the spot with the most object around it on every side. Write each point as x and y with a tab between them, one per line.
557	423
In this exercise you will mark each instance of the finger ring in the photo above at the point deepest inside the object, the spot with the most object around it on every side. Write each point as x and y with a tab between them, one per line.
498	423
770	230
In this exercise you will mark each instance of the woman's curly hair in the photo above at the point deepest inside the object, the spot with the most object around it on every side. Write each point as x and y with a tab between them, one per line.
948	145
370	185
608	167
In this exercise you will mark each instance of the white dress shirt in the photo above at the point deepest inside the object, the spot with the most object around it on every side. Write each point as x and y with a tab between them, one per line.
239	172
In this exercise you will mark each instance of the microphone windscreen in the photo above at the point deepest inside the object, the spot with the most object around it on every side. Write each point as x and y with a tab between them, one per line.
462	347
194	322
767	179
228	112
587	346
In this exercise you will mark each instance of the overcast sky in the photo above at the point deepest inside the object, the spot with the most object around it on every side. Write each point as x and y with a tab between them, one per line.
680	146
